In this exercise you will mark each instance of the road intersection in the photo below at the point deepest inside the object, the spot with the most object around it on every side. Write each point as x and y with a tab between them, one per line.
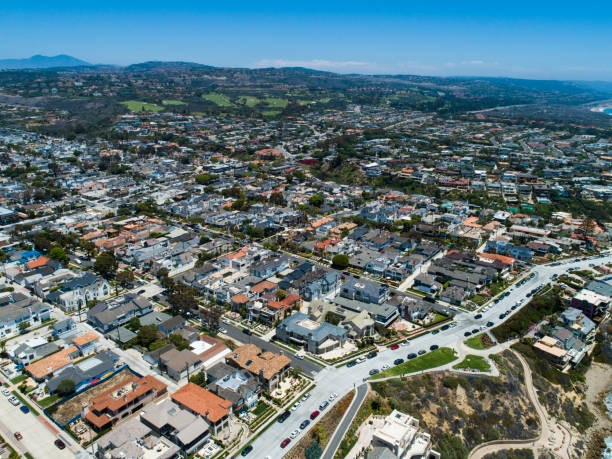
342	380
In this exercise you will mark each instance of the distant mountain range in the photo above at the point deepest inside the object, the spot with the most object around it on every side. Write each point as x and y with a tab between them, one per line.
42	62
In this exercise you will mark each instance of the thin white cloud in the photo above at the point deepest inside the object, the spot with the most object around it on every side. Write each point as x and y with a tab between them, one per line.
474	62
318	64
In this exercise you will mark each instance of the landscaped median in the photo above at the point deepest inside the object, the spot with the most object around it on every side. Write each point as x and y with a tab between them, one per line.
430	360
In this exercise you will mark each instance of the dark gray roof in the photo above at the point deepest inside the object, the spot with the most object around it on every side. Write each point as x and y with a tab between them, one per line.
88	369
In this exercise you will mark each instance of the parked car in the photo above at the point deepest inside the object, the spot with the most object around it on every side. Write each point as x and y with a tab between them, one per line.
361	359
352	363
283	417
24	409
372	354
285	442
478	316
398	361
296	406
14	400
306	396
246	331
385	367
18	435
60	444
394	347
246	450
421	352
314	414
6	392
433	347
323	405
490	324
294	434
304	424
411	356
467	333
374	371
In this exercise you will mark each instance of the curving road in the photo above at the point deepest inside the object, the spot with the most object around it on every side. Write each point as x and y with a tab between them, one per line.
345	423
342	380
552	437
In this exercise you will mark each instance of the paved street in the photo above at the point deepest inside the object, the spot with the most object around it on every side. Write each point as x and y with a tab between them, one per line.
236	334
37	438
343	379
336	439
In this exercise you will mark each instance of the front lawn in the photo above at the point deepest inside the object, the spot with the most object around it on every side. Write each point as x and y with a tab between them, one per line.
48	401
474	362
433	359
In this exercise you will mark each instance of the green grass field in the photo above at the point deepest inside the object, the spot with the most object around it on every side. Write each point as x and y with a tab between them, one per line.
433	359
219	99
173	102
270	112
475	362
276	102
138	106
475	342
249	101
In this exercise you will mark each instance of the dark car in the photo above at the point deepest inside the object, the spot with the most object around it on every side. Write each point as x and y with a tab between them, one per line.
373	371
285	442
352	363
141	291
478	316
246	331
513	307
371	355
314	414
433	347
60	444
323	405
490	324
467	333
246	450
24	409
411	356
474	331
445	327
421	352
304	424
283	417
398	361
501	316
436	331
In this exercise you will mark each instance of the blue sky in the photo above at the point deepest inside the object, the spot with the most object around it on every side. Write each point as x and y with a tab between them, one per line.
530	39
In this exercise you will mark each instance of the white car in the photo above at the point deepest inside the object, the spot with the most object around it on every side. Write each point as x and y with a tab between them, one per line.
405	343
294	434
384	367
222	330
6	392
361	359
14	400
296	406
332	396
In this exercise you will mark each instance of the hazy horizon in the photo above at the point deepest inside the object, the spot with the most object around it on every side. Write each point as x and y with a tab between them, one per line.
537	40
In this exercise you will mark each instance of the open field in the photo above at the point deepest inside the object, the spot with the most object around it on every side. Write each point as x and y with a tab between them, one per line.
173	102
138	106
249	101
433	359
276	102
219	99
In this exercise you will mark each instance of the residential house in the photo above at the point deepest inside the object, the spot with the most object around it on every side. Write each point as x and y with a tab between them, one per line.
268	367
210	407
